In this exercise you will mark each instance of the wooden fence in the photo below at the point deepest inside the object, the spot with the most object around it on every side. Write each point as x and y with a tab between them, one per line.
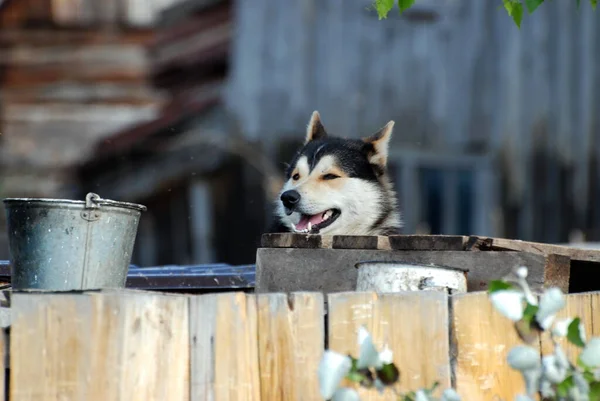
135	345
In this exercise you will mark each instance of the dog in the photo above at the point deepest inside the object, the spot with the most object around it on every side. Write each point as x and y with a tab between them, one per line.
338	186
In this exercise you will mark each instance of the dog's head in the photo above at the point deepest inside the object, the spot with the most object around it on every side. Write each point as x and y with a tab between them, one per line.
335	186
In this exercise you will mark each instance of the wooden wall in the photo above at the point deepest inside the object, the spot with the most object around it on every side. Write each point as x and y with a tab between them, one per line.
457	77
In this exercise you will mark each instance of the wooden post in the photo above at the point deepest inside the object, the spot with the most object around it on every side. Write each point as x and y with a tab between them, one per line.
120	345
224	351
413	324
482	339
290	345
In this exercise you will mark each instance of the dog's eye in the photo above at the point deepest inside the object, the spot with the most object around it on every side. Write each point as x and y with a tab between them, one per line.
296	177
330	176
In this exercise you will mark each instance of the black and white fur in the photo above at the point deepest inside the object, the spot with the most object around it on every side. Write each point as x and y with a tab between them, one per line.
344	181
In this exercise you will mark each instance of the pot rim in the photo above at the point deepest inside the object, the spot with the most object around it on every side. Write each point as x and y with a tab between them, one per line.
411	264
51	201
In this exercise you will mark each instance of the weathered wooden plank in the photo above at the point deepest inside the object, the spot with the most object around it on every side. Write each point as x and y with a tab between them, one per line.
498	244
289	240
396	242
427	242
332	270
483	339
290	344
557	272
426	331
224	352
120	345
355	242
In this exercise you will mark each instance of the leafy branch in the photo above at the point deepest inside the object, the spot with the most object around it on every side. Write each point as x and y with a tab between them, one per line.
514	8
553	376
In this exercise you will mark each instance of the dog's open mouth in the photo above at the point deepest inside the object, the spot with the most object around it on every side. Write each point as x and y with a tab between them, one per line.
315	223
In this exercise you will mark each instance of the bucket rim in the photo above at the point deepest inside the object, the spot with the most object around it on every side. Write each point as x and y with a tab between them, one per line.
53	201
411	264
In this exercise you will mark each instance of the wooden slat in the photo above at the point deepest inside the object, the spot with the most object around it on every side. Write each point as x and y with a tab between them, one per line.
585	307
288	240
498	244
355	242
224	352
427	242
483	338
423	335
290	345
557	272
116	346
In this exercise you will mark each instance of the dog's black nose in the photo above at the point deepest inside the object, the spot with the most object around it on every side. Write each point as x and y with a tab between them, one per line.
290	198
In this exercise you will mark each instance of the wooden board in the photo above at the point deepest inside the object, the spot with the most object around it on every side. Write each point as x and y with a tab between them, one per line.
500	244
425	242
117	346
413	324
295	241
557	272
482	338
290	345
224	352
585	306
396	242
428	242
333	270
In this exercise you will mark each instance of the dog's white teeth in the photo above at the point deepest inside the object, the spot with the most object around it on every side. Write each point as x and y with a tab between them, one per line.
327	214
293	226
309	227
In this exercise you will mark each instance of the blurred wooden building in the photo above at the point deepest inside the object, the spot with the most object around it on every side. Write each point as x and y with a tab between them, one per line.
71	73
188	165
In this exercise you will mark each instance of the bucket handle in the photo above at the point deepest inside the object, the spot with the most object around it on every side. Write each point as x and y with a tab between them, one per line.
92	201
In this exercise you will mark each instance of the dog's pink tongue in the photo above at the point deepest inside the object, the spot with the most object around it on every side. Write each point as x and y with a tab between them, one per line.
313	220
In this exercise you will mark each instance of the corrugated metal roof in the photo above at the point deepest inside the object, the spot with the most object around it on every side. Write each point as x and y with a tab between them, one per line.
218	276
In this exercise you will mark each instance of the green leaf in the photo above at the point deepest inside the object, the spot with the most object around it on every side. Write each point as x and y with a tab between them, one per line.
573	334
499	285
528	328
588	376
514	8
434	386
383	7
533	4
562	389
388	374
594	391
410	396
594	3
530	311
355	377
578	4
405	4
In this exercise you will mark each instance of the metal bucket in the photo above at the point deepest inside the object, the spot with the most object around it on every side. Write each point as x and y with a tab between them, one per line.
386	277
63	245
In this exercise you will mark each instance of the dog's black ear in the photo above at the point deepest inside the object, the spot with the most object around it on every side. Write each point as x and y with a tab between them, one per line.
315	128
378	144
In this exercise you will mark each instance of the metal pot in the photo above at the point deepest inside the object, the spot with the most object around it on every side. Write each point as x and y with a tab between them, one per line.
63	245
386	277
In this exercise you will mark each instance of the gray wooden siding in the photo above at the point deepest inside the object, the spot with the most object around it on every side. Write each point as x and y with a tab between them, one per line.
468	82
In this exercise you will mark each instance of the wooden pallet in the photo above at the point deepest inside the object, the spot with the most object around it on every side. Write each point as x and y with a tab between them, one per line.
296	262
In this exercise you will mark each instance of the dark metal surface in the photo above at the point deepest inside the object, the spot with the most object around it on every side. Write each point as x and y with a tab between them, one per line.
209	277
